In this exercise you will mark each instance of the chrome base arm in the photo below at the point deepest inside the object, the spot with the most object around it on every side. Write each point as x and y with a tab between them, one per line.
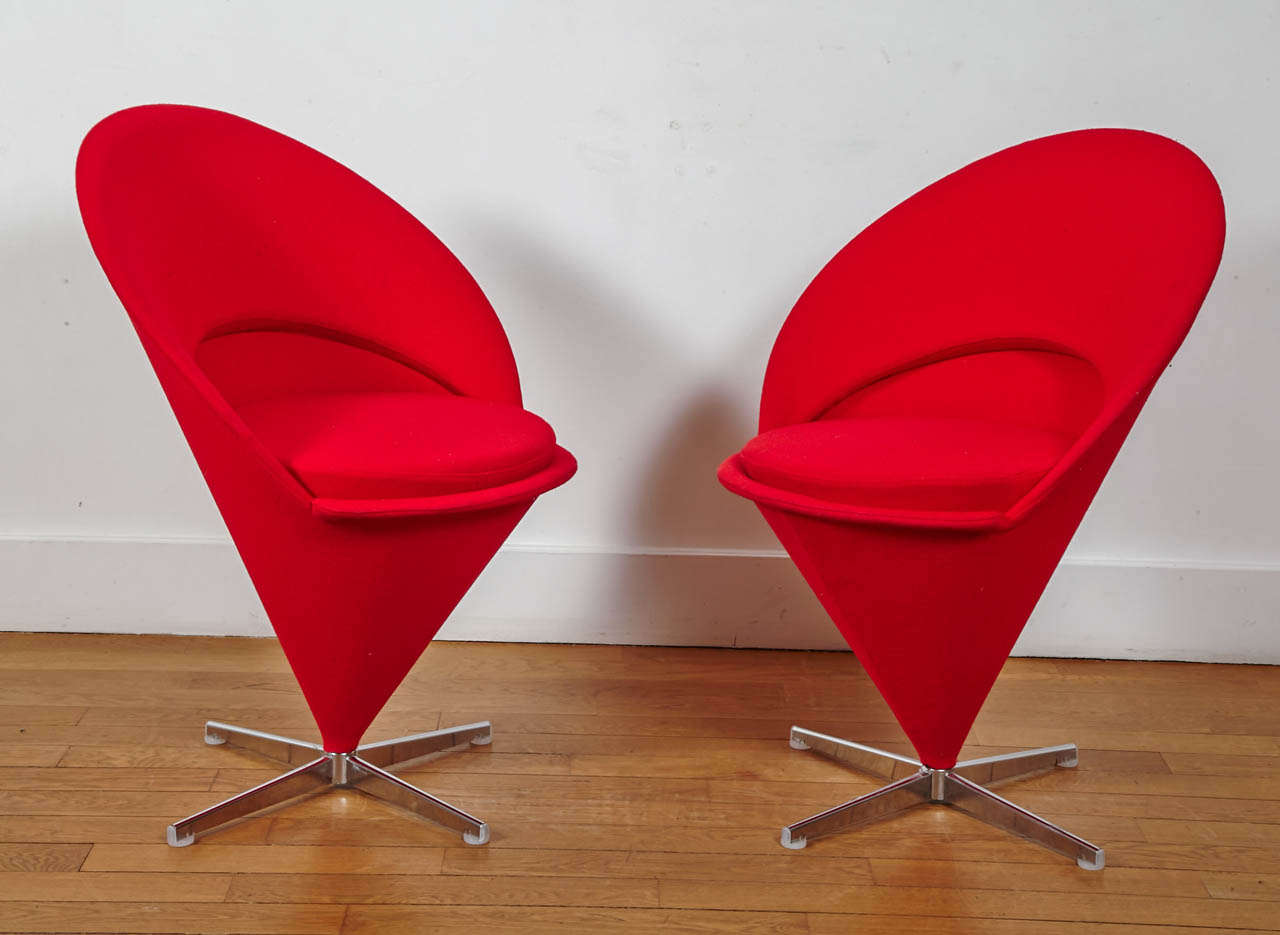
401	750
361	769
958	787
306	779
885	801
272	746
380	784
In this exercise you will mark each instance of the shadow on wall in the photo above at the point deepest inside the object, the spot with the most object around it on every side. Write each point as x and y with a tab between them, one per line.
679	584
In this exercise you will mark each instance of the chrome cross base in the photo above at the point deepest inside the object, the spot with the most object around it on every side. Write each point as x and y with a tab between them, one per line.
317	770
913	783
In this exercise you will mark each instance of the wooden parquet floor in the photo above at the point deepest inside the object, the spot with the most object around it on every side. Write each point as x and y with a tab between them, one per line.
629	789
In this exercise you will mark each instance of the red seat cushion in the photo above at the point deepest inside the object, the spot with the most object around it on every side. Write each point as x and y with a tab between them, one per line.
400	444
905	462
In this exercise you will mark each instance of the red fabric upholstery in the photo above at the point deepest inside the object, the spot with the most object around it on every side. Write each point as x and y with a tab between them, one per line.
1001	328
263	363
274	289
388	444
906	463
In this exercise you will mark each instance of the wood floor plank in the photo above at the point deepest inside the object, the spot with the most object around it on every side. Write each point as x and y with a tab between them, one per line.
1179	831
622	745
112	829
1250	885
547	662
88	886
414	920
1050	711
140	653
31	754
1065	783
777	765
114	734
143	918
776	868
1156	740
31	715
1057	877
829	924
976	904
1189	807
287	716
314	888
183	725
774	727
1200	764
1197	856
215	857
534	920
148	757
69	687
92	778
628	789
42	857
95	803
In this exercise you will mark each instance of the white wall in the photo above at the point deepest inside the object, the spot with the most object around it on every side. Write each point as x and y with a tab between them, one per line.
642	189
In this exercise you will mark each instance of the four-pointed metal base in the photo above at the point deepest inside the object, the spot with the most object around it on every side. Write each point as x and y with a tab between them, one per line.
913	783
316	770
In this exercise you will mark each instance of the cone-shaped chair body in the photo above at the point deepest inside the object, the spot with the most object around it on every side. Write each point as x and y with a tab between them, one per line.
947	395
257	271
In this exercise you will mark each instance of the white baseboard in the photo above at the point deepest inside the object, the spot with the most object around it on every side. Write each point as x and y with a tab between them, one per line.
1120	610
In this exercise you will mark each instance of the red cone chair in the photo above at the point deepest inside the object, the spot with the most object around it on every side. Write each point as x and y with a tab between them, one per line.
938	412
351	400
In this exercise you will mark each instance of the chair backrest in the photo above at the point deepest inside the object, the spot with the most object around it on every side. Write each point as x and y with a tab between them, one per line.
272	268
1048	283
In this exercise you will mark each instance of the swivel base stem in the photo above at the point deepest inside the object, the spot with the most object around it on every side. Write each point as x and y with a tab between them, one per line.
958	787
316	770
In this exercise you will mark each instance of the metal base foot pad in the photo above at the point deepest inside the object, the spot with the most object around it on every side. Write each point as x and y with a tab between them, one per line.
957	787
361	769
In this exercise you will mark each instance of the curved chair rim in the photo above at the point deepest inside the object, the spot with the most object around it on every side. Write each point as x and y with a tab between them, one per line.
738	481
562	467
735	478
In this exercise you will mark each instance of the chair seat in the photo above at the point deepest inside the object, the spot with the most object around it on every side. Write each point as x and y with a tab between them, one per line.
941	464
384	445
